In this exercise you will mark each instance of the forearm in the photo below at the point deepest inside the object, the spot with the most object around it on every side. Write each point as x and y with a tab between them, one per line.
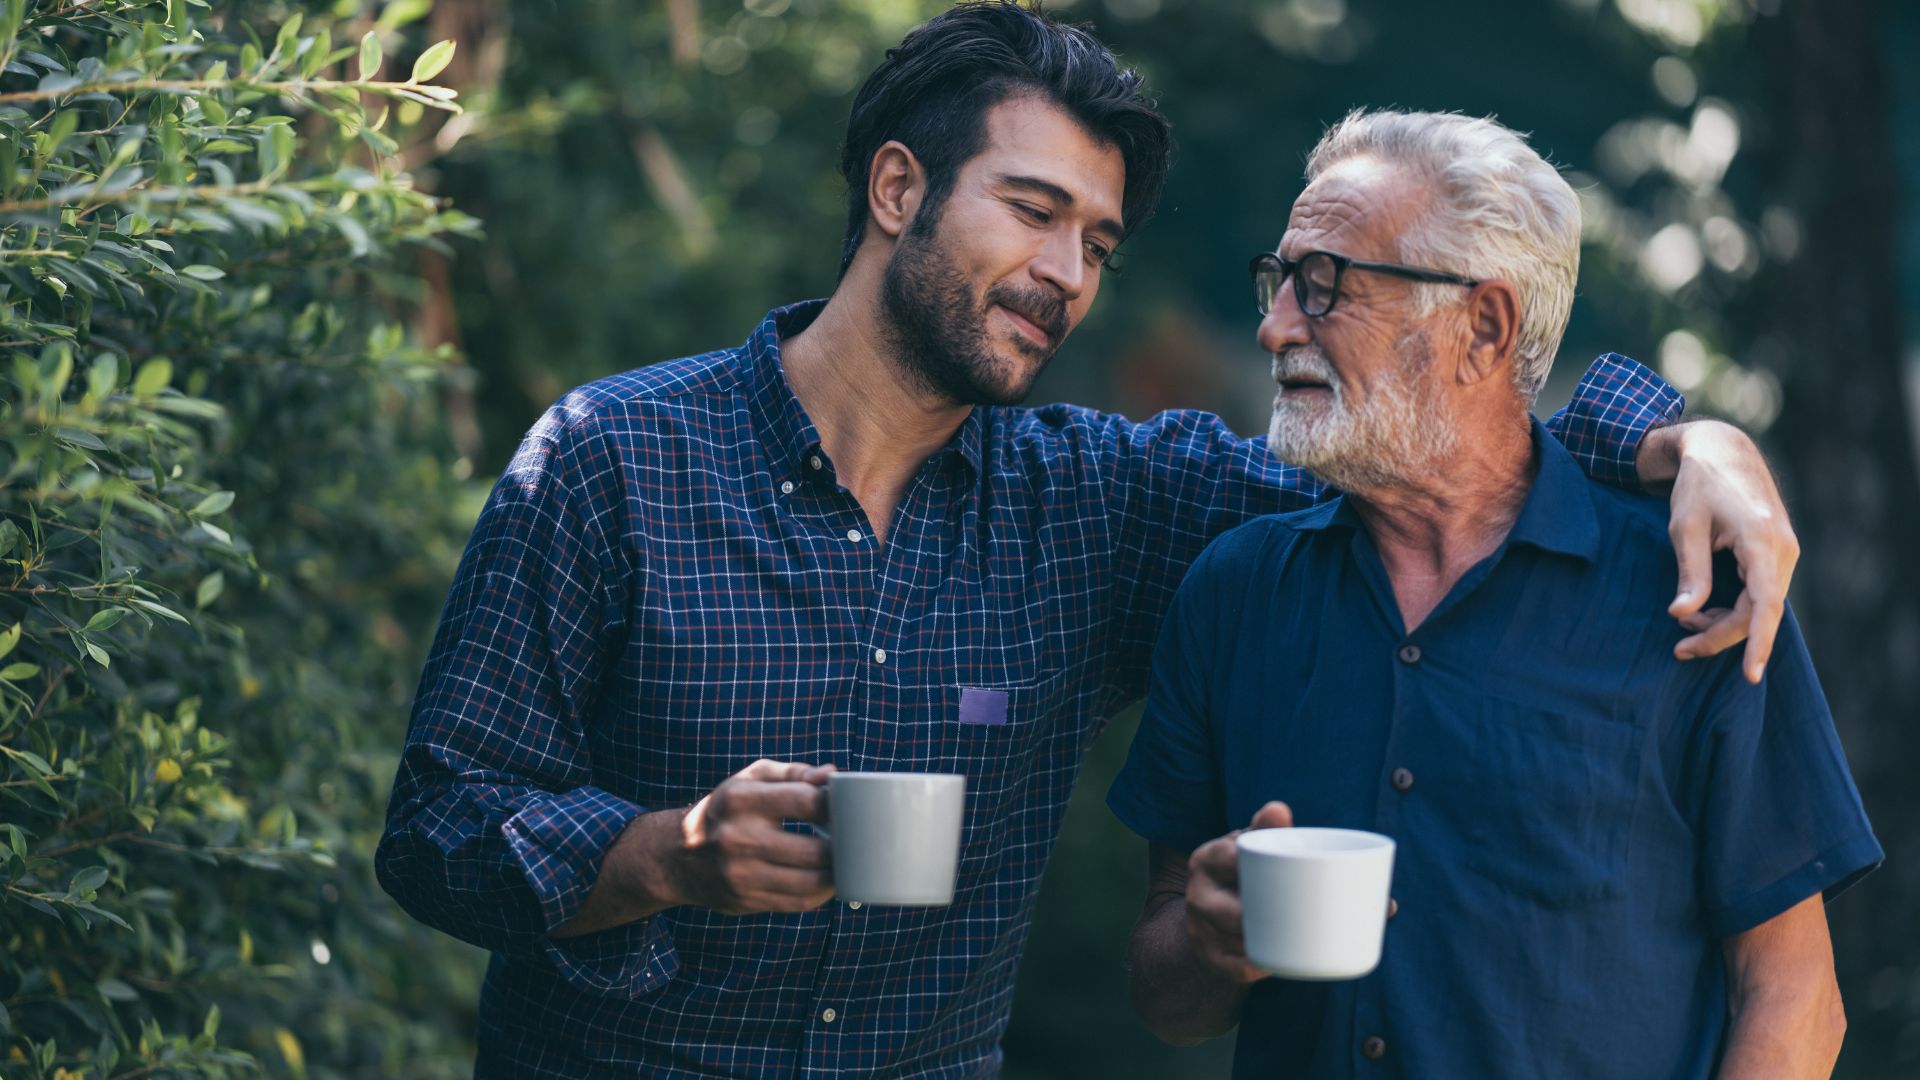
1784	1031
1786	1019
637	877
1178	997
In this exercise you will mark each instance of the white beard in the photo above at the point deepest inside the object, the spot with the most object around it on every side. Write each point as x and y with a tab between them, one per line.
1392	440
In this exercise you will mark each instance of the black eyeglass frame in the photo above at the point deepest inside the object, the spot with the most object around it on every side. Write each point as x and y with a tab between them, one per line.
1268	262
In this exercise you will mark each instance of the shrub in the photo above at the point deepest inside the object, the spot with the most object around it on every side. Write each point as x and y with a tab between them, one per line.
225	494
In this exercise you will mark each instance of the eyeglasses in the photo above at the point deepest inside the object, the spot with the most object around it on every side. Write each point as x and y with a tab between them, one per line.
1316	278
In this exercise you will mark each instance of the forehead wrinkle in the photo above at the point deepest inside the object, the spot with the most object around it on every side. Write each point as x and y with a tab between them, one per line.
1357	212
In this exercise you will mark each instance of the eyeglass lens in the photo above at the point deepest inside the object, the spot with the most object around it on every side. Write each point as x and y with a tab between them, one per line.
1316	282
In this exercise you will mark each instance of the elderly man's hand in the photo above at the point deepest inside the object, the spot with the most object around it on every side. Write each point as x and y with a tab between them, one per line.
1213	899
1724	498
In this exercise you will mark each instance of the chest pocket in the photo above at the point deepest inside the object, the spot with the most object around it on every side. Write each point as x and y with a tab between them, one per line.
999	739
1556	823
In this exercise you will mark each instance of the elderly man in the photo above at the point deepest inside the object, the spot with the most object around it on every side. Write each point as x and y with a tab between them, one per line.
1610	862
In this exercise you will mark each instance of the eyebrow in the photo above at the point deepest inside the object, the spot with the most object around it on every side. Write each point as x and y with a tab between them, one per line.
1062	196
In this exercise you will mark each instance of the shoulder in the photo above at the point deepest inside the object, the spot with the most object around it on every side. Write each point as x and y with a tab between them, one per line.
642	393
592	427
1049	432
1260	549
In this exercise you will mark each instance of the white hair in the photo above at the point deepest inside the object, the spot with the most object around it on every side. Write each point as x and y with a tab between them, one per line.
1499	211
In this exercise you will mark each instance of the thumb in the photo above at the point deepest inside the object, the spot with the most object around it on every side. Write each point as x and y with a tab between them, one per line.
1692	537
1274	815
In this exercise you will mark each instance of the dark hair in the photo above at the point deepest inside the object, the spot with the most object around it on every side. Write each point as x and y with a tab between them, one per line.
933	91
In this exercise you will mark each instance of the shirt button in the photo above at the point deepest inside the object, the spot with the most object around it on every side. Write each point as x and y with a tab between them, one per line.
786	487
1375	1047
1393	907
855	905
879	656
1409	654
1402	779
829	1016
853	535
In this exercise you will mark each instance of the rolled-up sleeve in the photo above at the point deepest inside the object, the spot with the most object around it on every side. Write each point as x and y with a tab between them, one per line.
496	830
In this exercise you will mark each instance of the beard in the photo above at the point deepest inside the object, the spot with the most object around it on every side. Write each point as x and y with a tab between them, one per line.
938	333
1391	439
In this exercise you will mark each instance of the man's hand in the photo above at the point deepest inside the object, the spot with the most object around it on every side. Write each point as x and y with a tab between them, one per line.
1724	498
737	857
729	853
1213	899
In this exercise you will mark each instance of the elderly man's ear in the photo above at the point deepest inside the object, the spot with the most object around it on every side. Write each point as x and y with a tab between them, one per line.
1493	323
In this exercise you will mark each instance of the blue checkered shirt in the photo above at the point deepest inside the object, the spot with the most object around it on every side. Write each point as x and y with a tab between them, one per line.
668	583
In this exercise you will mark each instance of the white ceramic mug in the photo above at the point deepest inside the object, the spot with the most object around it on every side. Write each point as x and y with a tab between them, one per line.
895	836
1314	901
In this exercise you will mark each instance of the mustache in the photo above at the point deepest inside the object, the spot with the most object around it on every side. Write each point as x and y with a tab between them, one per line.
1304	361
1038	306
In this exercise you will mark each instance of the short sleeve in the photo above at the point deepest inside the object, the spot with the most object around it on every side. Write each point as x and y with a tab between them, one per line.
1779	818
1170	790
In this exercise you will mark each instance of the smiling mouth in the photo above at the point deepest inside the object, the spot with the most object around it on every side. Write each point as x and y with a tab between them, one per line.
1027	328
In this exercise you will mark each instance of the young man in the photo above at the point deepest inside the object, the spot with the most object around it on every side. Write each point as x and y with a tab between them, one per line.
701	584
1602	850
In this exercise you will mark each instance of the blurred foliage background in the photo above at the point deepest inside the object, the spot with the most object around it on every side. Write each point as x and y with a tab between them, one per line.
354	363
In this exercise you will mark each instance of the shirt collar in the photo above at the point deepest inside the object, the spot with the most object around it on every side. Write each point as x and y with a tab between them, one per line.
1558	515
783	424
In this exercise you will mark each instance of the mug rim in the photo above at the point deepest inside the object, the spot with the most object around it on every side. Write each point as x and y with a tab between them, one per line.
876	774
1369	843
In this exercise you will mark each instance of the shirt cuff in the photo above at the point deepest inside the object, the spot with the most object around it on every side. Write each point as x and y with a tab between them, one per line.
1617	402
1830	872
559	844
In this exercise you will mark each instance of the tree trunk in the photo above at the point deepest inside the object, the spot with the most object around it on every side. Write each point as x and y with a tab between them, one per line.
1845	444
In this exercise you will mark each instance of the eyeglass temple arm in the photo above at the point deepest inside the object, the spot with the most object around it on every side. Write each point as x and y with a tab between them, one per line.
1413	272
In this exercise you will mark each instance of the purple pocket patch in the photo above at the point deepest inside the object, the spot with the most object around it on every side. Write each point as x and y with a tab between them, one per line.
982	706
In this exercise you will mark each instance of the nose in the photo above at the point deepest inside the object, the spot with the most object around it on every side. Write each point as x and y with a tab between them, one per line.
1284	324
1060	266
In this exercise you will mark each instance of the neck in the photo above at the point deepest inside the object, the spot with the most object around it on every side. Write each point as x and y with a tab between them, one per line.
876	424
1432	530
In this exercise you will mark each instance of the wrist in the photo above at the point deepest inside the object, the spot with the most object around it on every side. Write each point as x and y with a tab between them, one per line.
1657	459
650	868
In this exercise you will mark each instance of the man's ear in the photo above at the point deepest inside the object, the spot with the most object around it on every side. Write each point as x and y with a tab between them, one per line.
896	184
1493	327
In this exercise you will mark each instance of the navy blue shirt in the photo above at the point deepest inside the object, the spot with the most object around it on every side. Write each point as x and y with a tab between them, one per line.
1580	817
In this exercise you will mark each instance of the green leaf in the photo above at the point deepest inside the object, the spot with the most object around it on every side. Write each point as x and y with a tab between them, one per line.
106	619
161	610
91	877
249	58
99	655
115	990
203	272
154	376
215	112
16	672
9	639
212	1026
315	57
215	503
370	54
210	588
432	62
401	12
289	37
